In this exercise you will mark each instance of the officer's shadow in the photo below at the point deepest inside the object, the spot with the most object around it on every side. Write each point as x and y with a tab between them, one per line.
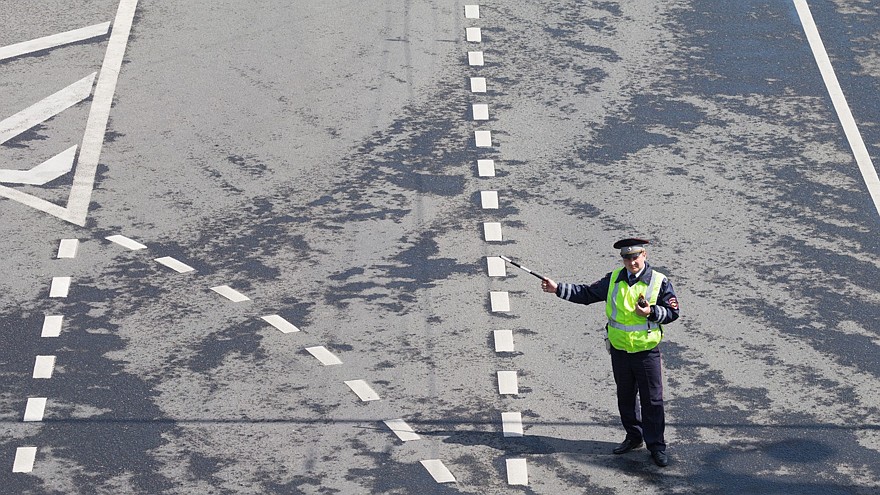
528	444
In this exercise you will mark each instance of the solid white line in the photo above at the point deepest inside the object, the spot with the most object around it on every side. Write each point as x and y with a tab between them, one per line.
362	389
403	431
230	293
486	168
863	159
46	108
54	40
24	459
280	323
480	111
326	357
438	471
478	85
499	301
96	125
473	34
492	231
60	287
508	384
35	408
483	139
177	266
503	340
67	248
126	242
52	325
511	424
43	173
496	266
489	200
475	58
517	472
43	366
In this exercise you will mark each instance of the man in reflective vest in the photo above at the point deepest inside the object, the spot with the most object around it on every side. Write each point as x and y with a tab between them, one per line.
639	301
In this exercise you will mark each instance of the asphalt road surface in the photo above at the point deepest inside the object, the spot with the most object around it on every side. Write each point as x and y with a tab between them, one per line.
327	187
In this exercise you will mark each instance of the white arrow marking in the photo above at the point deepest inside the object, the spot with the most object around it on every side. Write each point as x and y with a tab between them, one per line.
54	40
47	171
46	108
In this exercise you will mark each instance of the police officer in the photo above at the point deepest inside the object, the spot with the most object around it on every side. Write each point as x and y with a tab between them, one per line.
638	302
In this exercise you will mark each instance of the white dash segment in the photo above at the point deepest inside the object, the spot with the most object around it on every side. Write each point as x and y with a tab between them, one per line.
503	340
326	357
362	389
486	168
24	459
35	408
67	248
403	431
43	366
489	200
517	472
280	323
438	471
483	139
177	266
474	34
60	287
478	85
480	111
472	11
508	384
230	293
126	242
496	266
52	325
511	424
492	231
499	301
475	58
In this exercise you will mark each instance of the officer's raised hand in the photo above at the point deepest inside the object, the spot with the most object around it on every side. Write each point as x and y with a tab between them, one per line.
548	285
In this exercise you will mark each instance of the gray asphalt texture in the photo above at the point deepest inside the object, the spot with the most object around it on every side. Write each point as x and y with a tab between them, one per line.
319	157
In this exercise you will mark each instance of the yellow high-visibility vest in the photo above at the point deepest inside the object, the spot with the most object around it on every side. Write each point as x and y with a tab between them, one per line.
628	331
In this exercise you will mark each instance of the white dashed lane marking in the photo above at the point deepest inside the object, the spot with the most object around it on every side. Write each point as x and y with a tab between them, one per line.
34	409
478	85
475	58
438	471
55	40
492	231
503	340
483	139
362	389
326	357
177	266
480	111
508	384
280	323
489	200
43	366
472	11
67	248
52	325
60	287
474	35
511	424
499	301
230	293
517	472
486	168
495	266
403	431
24	459
126	242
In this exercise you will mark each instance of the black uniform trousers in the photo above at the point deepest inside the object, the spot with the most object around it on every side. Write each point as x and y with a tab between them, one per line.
639	373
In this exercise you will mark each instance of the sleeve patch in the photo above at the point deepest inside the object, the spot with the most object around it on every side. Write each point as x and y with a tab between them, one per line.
673	303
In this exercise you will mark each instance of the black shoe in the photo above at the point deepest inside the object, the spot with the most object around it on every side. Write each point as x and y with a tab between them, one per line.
660	458
627	445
